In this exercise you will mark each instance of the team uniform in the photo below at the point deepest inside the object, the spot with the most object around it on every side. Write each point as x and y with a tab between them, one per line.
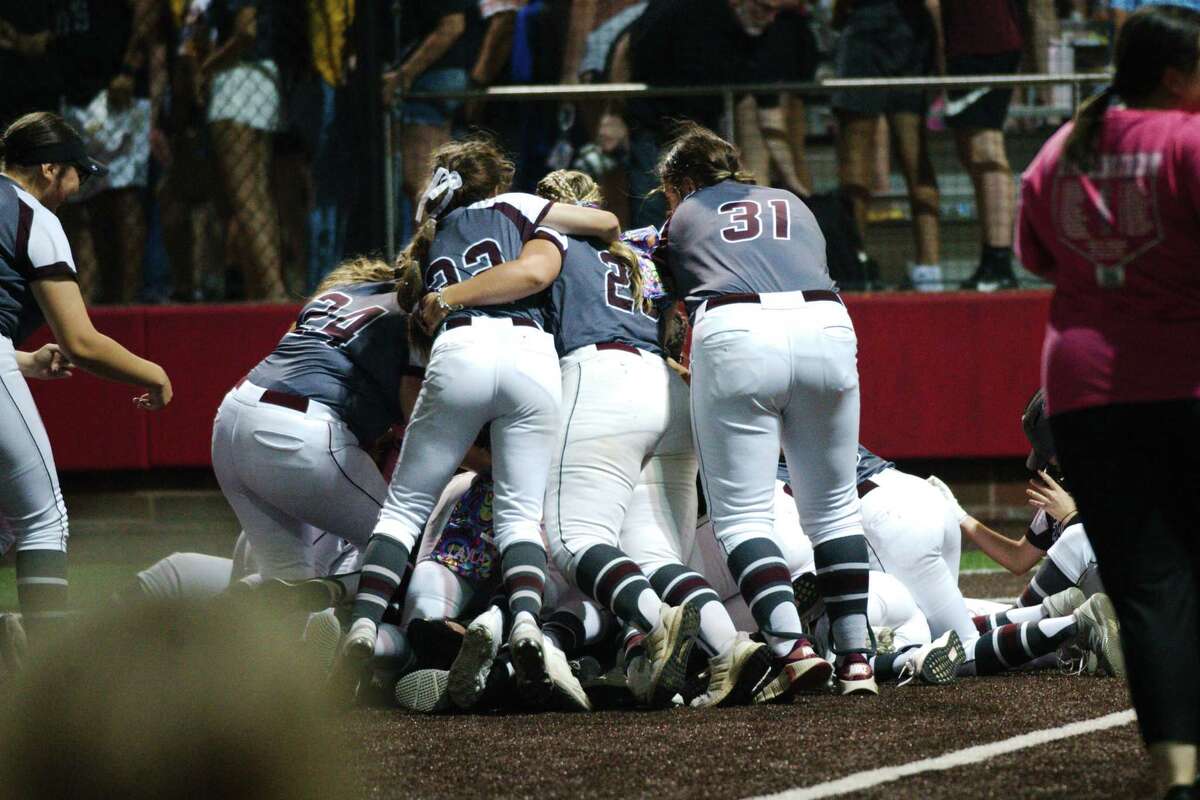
1070	560
33	247
621	499
288	441
494	365
773	364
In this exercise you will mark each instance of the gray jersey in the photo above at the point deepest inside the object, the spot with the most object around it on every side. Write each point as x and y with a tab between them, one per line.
348	351
592	301
32	247
868	466
475	238
733	238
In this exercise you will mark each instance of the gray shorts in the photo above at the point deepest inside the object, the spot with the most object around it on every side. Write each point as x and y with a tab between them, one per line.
884	39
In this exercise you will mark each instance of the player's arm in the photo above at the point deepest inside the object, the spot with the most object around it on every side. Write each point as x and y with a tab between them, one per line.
586	223
435	45
245	31
532	271
48	362
66	314
1018	557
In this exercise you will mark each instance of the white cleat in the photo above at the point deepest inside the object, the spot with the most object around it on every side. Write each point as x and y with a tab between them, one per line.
359	645
854	675
664	672
424	691
1100	634
529	661
1064	603
737	675
470	670
322	633
936	663
565	684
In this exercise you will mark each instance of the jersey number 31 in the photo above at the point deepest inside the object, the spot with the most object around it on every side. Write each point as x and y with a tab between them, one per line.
746	220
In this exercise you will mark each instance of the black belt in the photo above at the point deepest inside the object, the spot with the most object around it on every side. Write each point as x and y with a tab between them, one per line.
866	487
752	297
627	348
293	401
460	322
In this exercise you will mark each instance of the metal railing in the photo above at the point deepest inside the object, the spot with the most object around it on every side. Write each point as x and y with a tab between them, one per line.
729	94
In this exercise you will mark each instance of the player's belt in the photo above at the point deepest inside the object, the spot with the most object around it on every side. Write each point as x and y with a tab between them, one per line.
293	401
461	322
752	297
866	487
628	348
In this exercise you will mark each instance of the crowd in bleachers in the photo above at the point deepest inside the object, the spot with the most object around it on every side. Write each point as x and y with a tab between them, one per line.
235	129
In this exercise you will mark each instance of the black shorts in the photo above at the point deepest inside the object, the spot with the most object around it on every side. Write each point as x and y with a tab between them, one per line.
885	39
976	108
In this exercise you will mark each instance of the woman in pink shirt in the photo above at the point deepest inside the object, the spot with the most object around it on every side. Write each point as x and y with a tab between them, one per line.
1110	213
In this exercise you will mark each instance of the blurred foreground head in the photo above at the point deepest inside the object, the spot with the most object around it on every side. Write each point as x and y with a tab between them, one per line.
167	702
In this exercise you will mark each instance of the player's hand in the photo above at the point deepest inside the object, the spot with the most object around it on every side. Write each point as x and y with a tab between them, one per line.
49	362
937	483
1047	494
431	313
680	370
157	398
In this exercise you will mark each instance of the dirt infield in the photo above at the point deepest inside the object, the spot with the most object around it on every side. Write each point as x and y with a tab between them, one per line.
745	752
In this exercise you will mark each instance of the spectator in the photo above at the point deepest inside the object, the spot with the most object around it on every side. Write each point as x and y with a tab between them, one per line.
983	37
102	49
24	50
187	190
1123	8
888	39
433	56
498	21
689	43
244	111
1108	215
319	115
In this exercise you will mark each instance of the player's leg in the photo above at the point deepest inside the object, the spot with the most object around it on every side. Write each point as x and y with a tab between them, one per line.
31	503
434	592
740	366
454	403
1067	561
182	576
904	521
820	443
592	475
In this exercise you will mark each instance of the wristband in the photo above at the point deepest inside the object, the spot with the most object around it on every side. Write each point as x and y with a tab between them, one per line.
443	305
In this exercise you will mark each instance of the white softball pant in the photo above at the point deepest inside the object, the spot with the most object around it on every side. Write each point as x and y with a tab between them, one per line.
434	591
1072	553
914	537
487	371
624	471
293	478
30	499
780	372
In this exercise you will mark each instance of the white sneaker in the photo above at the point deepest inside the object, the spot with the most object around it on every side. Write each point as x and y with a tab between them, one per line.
1100	633
424	691
566	685
529	661
322	633
1064	603
359	644
936	663
470	670
736	675
667	649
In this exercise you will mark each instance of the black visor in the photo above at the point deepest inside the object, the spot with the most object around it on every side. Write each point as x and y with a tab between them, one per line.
69	152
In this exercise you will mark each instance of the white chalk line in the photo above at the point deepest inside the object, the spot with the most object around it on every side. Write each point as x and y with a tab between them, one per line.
983	571
958	758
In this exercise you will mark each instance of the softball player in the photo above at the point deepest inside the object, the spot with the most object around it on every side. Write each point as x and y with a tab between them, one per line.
621	500
773	363
44	163
488	364
288	440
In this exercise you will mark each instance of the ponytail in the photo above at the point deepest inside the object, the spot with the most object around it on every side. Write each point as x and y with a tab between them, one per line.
1084	140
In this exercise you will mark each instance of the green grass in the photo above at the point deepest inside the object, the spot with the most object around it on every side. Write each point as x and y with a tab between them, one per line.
92	583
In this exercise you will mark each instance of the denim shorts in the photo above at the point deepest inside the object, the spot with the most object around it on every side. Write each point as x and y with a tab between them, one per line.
434	112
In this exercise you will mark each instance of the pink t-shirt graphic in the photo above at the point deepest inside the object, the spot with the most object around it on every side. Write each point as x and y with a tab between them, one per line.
1122	246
